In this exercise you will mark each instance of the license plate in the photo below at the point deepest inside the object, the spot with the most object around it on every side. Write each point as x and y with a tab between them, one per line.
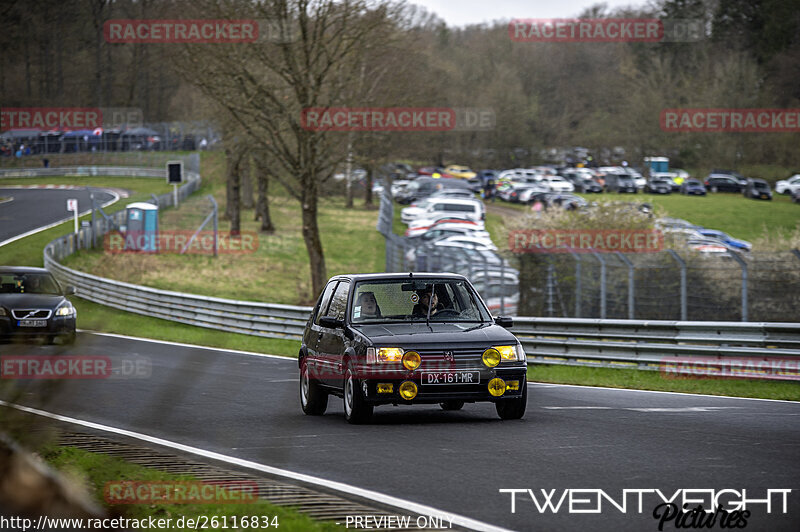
455	377
763	196
32	323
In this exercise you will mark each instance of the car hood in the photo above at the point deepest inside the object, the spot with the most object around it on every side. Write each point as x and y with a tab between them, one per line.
418	334
48	301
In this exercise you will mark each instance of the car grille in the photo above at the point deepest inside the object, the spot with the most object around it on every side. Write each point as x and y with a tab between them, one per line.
462	358
31	313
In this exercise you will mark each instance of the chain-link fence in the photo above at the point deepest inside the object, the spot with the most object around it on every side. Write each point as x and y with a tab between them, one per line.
666	285
662	286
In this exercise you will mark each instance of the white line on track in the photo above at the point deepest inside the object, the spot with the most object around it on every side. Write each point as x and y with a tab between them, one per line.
44	228
345	489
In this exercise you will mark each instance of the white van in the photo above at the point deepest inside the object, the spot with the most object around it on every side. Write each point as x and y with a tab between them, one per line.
437	208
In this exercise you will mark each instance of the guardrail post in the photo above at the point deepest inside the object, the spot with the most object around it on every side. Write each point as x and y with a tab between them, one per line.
577	283
549	286
602	262
631	285
502	286
684	295
94	228
216	223
743	264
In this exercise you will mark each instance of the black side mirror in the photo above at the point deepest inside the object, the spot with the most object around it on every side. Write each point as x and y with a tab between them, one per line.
331	323
69	290
504	321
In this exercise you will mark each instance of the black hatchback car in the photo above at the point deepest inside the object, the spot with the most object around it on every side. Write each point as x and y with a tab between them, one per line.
402	339
33	305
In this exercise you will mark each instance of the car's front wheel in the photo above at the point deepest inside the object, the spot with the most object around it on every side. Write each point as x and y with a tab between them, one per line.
356	410
513	408
313	398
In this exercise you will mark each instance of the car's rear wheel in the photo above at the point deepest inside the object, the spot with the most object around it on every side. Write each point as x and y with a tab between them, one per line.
452	405
356	410
513	408
313	399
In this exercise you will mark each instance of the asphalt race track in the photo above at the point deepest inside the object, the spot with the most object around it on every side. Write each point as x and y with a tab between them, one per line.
571	438
34	208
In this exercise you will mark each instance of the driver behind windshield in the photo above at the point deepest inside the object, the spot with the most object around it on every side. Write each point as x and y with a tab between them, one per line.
421	308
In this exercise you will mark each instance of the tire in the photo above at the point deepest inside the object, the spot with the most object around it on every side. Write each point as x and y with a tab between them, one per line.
450	406
313	399
356	410
513	408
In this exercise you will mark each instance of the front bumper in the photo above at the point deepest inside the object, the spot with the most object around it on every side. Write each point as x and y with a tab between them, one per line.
437	393
56	326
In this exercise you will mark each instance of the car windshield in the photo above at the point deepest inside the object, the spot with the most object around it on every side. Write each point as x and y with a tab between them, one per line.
763	186
394	300
27	283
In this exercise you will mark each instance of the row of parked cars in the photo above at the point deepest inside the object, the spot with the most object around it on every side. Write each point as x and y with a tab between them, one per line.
446	232
702	239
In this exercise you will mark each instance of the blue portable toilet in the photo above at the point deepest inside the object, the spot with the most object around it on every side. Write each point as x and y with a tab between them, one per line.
141	233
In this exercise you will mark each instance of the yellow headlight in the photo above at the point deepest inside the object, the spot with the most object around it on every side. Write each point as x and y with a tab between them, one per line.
497	387
507	352
491	357
408	390
412	360
390	354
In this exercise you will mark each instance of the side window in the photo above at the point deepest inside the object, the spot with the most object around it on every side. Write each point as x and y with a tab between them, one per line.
339	301
324	299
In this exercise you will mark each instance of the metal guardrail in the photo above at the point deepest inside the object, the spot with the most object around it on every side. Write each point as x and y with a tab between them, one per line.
656	345
82	171
246	317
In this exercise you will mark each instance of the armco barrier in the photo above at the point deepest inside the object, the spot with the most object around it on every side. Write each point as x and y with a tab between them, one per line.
649	345
257	319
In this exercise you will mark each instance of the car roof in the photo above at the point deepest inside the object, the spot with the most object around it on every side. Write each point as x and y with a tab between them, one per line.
397	276
22	269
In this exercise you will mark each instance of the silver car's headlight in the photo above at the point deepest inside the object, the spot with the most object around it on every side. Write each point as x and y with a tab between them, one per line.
66	310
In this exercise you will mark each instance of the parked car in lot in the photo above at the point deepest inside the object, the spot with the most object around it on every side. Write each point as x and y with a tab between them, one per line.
757	189
443	207
620	183
742	245
557	184
586	184
416	229
658	186
787	186
498	288
422	187
451	229
723	183
461	172
34	305
377	339
796	196
693	187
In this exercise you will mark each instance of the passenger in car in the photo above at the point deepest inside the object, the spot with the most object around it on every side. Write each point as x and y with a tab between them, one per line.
369	305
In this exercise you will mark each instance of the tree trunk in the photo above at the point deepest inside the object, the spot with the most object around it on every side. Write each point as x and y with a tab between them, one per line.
311	237
247	182
368	194
262	203
232	203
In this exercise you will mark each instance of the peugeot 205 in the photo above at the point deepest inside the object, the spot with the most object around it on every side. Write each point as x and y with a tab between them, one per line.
406	339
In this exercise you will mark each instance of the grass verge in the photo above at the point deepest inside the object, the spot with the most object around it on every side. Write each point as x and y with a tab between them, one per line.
654	380
94	470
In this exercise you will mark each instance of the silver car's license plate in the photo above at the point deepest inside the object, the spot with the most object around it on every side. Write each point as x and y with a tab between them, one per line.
32	323
455	377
